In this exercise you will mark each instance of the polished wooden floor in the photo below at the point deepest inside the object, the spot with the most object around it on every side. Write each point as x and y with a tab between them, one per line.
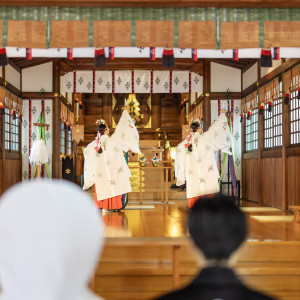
138	258
170	221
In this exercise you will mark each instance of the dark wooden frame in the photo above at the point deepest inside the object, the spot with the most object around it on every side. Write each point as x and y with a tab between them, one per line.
9	153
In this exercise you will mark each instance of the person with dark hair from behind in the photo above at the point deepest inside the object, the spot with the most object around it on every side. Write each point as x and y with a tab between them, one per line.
218	229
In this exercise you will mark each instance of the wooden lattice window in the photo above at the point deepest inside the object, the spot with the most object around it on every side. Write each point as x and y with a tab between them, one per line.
62	139
7	129
273	119
69	142
252	131
293	77
15	134
295	118
12	132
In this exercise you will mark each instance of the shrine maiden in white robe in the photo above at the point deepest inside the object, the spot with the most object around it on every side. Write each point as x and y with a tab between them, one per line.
199	168
109	170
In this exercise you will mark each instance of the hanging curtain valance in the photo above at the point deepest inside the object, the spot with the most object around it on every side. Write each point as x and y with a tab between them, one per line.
251	101
63	112
66	115
10	100
193	27
131	81
291	80
270	91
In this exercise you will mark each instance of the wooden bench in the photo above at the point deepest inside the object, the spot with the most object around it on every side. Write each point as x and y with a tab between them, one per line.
296	209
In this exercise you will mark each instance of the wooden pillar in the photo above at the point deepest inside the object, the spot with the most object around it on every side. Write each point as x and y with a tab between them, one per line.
259	157
156	111
285	144
56	121
107	108
206	95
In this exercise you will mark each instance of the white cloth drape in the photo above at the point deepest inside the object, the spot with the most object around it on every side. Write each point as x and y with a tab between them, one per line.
180	81
67	83
161	81
142	82
103	81
51	238
84	82
123	81
197	83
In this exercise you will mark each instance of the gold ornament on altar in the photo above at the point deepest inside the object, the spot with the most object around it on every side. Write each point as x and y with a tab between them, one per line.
132	106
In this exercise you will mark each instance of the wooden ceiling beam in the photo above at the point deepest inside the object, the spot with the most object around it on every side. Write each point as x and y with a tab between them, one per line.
154	3
16	67
228	63
24	63
249	65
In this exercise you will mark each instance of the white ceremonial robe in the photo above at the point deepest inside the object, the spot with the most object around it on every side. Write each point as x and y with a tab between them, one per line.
109	170
199	168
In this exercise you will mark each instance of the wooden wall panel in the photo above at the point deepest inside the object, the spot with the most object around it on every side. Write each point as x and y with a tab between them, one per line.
13	173
250	179
293	180
272	182
170	111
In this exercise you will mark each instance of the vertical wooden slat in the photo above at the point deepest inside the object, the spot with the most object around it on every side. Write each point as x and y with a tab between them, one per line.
206	98
285	144
56	121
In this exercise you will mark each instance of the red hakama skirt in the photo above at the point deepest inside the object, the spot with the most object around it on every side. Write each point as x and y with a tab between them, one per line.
192	201
109	203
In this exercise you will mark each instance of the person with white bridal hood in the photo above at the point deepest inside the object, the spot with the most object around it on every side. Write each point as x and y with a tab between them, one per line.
50	242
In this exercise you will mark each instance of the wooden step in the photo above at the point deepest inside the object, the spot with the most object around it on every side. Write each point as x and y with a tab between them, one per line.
145	272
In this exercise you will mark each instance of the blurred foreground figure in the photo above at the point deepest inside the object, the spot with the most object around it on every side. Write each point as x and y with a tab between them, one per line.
51	238
218	228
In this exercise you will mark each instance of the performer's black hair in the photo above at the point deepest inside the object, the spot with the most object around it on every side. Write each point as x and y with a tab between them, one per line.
194	128
101	128
217	226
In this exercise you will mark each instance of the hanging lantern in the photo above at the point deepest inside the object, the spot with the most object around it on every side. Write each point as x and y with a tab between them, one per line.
3	57
168	60
287	98
13	114
65	126
2	109
270	107
242	118
249	115
20	118
99	58
266	58
261	109
80	105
